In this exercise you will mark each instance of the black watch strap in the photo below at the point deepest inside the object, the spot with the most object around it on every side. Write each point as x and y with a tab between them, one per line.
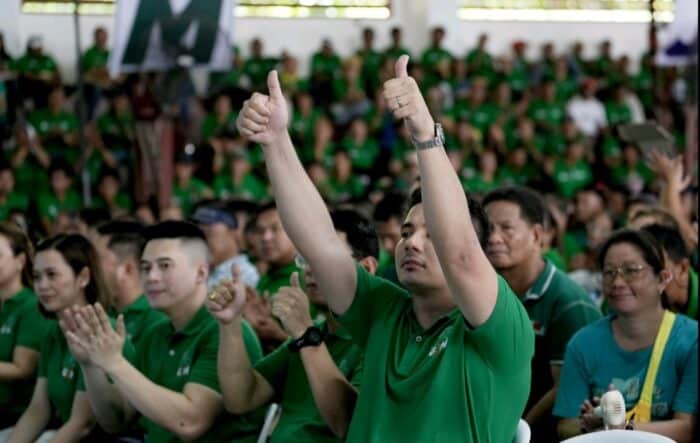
312	337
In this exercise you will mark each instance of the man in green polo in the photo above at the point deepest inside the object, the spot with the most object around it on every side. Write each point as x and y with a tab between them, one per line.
557	306
119	244
682	290
173	383
314	379
449	360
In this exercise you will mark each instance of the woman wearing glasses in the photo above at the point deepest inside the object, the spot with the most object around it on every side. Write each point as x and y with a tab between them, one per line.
618	351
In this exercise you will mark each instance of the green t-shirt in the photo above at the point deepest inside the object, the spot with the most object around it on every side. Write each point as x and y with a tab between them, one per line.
371	63
138	317
432	56
408	372
35	64
566	89
250	187
284	370
94	58
257	68
571	178
480	117
50	206
394	52
14	202
557	307
172	359
116	131
624	174
275	278
521	176
121	200
478	185
21	324
185	197
302	128
480	63
211	127
335	191
363	155
549	116
327	67
617	113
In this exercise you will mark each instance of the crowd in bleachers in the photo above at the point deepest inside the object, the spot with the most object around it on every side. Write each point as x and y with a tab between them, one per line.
596	238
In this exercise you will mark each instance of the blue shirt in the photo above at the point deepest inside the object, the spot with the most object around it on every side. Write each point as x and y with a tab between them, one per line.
249	273
594	360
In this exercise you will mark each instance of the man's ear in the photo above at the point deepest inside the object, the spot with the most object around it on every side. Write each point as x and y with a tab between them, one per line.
370	264
202	273
538	232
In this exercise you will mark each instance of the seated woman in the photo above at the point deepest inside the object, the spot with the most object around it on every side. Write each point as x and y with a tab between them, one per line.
66	274
617	350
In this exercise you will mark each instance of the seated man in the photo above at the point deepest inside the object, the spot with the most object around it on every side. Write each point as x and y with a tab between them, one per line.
173	383
447	360
315	378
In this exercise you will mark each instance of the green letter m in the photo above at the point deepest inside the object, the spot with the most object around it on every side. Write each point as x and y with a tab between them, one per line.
204	15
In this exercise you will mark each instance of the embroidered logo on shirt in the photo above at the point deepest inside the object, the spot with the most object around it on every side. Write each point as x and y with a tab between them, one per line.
438	347
6	328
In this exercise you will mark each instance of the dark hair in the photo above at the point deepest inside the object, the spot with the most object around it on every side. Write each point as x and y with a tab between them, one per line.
530	202
670	240
20	244
476	212
79	253
391	205
94	216
106	171
60	164
125	238
265	206
642	240
660	216
241	205
359	231
173	230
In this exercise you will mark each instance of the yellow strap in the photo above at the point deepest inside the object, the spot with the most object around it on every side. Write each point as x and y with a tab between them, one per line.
642	410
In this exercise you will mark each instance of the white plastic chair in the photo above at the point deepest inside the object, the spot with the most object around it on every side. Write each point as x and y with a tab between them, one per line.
523	434
619	436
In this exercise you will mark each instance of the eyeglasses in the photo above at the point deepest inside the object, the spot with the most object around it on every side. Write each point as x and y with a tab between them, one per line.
628	273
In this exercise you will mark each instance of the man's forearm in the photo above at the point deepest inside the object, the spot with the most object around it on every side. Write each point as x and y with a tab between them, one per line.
72	432
568	427
10	372
30	425
168	409
236	374
334	396
542	407
106	400
677	429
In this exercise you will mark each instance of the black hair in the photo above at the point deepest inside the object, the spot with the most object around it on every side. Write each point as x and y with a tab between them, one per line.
265	206
94	216
359	231
670	240
126	238
530	202
391	205
79	253
5	165
20	244
241	205
107	171
642	240
61	164
476	212
174	230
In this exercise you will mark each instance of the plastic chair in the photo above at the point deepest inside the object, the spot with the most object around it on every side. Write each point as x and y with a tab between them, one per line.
619	436
271	418
523	434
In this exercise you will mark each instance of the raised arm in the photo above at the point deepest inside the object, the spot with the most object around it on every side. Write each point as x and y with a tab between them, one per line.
242	387
470	276
305	217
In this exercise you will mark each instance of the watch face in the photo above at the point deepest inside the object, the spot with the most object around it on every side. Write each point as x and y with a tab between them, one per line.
315	337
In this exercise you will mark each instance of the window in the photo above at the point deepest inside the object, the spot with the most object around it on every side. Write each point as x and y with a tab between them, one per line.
352	9
620	11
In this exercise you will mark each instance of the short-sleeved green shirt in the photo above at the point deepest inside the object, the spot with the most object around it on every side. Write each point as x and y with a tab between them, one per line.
21	324
139	317
335	191
250	187
172	359
212	127
185	197
548	115
94	57
122	202
394	52
571	178
432	56
478	185
301	421
14	202
50	206
256	68
46	122
558	307
325	66
35	64
480	376
275	278
617	113
363	155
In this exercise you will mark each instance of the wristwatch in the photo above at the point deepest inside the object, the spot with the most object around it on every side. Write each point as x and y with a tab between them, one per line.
439	139
312	337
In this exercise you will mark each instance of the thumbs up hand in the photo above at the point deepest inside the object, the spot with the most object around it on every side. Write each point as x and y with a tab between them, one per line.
264	118
291	307
405	101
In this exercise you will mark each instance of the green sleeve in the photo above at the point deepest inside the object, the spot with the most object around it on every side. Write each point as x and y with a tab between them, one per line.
203	370
355	377
506	340
32	328
273	367
566	321
373	298
43	371
251	342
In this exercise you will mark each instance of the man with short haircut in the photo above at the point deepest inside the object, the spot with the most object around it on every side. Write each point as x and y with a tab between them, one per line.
449	362
557	306
173	383
682	290
314	375
220	227
119	244
276	250
387	217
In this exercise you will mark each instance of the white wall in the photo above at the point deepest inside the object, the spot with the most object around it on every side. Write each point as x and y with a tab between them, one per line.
302	37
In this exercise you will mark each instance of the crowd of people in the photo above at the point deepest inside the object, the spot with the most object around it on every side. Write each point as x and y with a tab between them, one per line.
389	249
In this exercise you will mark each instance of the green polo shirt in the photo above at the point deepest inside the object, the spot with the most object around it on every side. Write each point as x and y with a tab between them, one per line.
212	127
284	370
250	187
362	155
50	205
617	113
93	58
21	324
186	196
558	307
394	52
432	56
14	202
46	122
62	373
548	115
336	191
138	317
275	278
570	178
172	359
35	64
477	375
479	185
325	66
